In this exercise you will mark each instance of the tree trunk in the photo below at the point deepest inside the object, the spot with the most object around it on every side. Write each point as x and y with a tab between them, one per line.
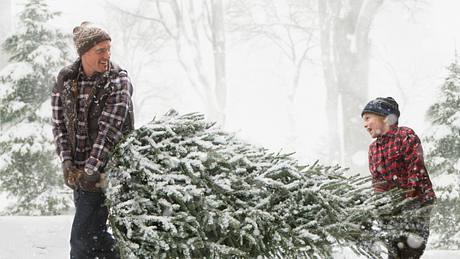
292	135
345	46
5	28
332	92
192	31
218	44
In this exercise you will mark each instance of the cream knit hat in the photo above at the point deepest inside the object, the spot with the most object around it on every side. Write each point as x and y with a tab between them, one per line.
87	35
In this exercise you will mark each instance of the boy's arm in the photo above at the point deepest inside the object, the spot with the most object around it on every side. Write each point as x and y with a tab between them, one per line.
418	180
376	183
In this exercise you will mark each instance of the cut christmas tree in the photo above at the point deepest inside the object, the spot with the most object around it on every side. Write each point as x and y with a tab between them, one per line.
181	188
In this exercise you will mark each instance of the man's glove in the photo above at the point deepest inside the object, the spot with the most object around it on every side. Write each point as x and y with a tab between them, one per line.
91	176
103	182
67	167
91	181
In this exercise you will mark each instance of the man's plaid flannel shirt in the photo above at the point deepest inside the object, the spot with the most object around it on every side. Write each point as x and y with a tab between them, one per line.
396	161
110	122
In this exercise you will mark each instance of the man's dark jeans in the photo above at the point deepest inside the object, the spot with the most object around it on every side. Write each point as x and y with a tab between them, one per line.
89	237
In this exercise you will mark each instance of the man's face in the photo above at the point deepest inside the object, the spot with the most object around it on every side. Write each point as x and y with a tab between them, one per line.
96	60
374	124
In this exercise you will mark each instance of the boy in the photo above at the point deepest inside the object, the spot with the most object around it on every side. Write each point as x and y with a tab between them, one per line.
396	161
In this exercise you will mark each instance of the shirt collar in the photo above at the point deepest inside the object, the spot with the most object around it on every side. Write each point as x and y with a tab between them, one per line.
386	136
95	77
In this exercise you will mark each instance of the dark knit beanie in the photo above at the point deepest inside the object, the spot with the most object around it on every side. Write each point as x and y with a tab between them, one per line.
87	35
382	106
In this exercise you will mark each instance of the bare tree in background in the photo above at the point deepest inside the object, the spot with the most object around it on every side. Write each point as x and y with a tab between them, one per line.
290	25
5	28
197	31
138	43
345	47
197	28
219	50
340	28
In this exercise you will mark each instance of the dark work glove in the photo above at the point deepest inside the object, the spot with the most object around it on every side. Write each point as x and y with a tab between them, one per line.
89	181
67	167
92	176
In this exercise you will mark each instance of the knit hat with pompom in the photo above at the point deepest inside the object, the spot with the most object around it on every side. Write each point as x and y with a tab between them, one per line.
87	35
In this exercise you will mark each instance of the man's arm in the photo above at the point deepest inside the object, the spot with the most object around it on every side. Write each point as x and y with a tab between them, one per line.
110	124
61	137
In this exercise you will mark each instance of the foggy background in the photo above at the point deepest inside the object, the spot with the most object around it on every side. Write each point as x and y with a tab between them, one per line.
286	75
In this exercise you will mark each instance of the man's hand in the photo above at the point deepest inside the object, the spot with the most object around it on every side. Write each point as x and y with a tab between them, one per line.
103	182
89	181
67	167
91	176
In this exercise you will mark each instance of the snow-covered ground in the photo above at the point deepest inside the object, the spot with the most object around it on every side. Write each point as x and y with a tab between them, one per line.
47	238
35	237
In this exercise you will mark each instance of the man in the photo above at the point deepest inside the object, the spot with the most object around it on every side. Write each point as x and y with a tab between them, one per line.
396	162
92	110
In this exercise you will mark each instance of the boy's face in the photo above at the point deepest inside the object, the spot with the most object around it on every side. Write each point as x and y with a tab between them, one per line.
374	124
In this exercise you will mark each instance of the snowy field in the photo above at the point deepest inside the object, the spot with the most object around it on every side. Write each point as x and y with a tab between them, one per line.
47	238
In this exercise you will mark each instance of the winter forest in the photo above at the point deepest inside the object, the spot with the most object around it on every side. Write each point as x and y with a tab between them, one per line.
248	140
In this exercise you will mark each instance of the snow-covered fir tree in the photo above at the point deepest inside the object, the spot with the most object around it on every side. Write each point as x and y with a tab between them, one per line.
443	158
29	169
181	188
